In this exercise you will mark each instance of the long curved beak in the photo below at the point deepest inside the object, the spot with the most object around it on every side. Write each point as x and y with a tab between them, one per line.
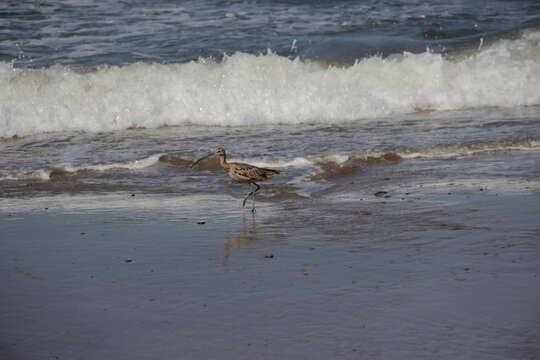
204	157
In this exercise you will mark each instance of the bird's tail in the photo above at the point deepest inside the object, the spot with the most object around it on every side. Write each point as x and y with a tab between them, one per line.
271	172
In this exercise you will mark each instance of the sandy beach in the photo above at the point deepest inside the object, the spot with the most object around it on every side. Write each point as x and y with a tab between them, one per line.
430	275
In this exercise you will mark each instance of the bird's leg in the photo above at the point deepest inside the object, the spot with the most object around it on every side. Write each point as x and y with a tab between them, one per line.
251	193
254	192
248	195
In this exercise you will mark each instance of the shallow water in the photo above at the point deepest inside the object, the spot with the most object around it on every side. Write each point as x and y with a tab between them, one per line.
312	158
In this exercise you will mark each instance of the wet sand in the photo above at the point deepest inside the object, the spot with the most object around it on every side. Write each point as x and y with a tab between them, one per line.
436	275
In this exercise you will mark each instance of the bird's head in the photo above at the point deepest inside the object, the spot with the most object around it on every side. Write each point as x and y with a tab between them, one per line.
219	152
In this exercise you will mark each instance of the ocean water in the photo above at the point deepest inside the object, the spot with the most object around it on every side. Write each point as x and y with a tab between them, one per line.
101	96
407	134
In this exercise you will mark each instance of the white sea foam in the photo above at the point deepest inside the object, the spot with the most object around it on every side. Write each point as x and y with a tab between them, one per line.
441	152
464	150
247	89
45	174
129	165
40	174
310	163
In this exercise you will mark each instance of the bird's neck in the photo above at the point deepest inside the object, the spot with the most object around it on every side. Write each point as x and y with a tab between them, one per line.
223	162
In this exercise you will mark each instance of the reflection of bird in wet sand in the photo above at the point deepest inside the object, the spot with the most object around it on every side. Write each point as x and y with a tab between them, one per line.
240	238
243	173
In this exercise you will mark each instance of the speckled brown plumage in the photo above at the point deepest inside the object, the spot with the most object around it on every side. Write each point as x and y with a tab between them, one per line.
243	173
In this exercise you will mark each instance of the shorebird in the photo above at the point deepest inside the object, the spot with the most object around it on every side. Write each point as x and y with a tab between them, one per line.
242	173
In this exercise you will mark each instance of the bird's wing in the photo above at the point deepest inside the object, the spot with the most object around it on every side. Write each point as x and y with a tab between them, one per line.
245	172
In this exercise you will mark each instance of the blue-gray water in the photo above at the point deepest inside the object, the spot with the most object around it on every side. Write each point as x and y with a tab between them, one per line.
93	33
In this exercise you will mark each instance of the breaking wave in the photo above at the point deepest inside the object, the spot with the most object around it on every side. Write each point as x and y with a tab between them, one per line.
245	89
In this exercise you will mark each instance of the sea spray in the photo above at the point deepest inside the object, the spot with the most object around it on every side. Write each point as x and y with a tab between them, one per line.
246	89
